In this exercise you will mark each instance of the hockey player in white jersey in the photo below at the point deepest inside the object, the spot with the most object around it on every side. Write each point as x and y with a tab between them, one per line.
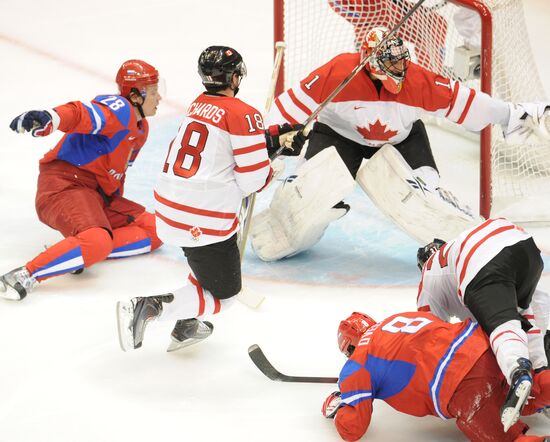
218	157
382	105
490	273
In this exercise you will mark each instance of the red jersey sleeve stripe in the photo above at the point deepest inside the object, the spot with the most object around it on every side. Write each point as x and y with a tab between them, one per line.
206	231
252	167
424	308
244	150
455	95
284	113
194	210
298	103
474	248
467	107
217	306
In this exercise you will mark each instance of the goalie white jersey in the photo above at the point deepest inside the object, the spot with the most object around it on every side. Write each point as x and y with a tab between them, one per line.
370	117
449	271
218	157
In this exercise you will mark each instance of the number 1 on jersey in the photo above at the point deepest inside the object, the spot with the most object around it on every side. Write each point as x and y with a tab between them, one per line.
192	144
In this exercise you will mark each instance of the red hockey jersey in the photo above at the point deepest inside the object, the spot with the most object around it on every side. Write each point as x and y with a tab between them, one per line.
218	157
102	136
412	361
364	115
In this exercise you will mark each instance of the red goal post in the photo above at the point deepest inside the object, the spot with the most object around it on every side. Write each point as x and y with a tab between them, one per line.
483	43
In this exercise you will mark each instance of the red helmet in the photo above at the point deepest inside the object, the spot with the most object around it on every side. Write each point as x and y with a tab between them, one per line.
391	60
135	74
350	331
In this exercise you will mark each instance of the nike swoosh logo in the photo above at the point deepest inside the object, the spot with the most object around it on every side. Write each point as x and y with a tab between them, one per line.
131	138
358	107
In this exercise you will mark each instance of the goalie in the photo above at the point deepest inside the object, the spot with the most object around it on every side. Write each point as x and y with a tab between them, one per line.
380	106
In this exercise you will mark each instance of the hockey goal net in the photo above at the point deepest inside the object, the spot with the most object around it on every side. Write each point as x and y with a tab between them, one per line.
482	43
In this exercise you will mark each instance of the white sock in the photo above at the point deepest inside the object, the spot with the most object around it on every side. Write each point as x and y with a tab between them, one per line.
509	343
192	301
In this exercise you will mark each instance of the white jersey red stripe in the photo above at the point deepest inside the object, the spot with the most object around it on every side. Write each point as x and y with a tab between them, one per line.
218	157
370	117
449	271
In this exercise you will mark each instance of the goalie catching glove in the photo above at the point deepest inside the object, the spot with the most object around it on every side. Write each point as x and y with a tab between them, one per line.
280	140
38	122
529	122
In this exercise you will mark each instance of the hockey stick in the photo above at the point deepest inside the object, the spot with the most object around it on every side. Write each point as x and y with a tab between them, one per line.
356	70
260	360
247	297
249	201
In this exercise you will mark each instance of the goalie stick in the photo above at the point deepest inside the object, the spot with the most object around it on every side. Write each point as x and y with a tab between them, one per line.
260	360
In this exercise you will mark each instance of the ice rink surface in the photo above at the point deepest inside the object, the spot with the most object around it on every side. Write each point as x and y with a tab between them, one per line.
63	377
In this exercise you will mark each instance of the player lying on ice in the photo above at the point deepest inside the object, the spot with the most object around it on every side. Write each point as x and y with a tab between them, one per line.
421	365
219	156
490	273
81	181
376	116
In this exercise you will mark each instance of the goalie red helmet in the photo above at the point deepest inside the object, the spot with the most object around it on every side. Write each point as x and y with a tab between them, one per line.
350	331
135	74
390	61
424	253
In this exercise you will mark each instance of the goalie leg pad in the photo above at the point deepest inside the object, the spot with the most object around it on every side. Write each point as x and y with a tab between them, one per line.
302	207
420	211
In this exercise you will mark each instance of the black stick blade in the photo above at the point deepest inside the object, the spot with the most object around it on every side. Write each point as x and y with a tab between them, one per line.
260	360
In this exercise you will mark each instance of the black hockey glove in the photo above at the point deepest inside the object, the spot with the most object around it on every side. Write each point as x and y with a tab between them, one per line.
280	139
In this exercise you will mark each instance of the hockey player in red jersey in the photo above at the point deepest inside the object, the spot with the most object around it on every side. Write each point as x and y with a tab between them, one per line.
381	105
457	378
81	181
218	157
490	273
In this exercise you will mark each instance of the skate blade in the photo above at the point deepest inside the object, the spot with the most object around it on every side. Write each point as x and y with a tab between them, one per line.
510	415
124	314
178	345
8	292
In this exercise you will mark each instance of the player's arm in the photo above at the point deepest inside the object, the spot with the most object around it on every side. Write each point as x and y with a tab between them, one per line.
351	408
296	104
248	141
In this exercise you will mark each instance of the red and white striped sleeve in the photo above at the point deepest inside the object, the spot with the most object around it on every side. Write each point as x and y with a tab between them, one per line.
470	108
296	104
247	136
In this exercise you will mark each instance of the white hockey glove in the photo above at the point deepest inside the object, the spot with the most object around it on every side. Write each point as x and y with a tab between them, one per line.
528	123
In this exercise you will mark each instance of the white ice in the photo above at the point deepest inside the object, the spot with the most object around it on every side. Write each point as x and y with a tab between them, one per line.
63	377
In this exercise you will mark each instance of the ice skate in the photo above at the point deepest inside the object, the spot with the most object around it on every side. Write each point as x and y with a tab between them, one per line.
133	316
17	284
188	332
516	398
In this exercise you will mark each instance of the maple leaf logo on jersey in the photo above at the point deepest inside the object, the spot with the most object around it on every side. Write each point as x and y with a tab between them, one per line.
195	232
376	131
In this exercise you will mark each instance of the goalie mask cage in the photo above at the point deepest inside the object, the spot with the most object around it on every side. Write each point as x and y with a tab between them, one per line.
484	44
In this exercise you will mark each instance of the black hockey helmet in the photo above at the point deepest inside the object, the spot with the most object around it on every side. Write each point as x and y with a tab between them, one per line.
217	64
424	253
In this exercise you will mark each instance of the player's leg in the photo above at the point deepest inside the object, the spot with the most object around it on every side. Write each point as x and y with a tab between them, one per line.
417	152
491	297
352	154
476	403
75	210
302	207
211	288
134	229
